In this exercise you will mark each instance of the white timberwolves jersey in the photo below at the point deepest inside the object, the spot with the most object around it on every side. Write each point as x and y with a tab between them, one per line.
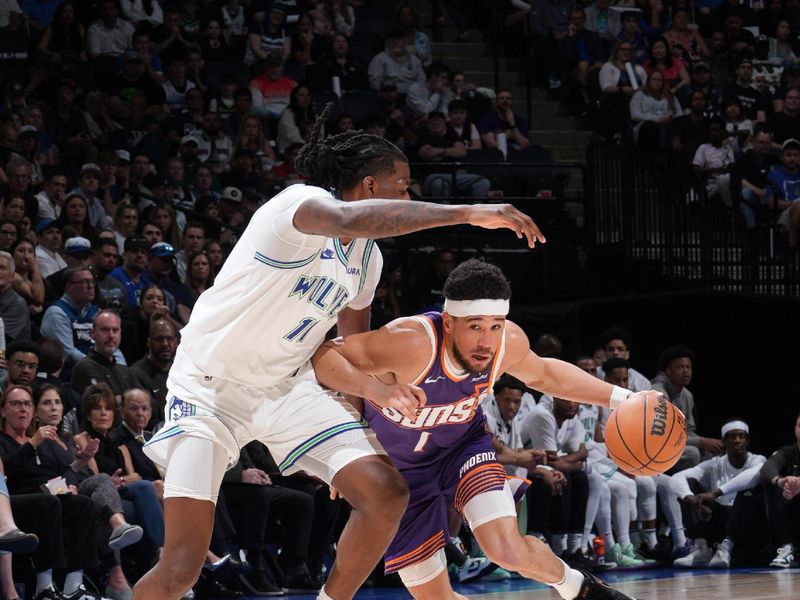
277	296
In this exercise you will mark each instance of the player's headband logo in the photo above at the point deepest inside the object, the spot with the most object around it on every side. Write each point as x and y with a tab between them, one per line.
476	308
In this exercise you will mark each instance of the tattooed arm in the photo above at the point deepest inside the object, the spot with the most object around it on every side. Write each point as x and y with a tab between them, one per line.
388	218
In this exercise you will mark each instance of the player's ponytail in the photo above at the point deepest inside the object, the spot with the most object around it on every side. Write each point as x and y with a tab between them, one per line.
340	161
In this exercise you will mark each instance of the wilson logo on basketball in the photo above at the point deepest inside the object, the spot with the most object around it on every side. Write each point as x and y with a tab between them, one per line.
659	424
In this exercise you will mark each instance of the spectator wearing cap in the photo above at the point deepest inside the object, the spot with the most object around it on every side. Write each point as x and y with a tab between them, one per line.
13	309
700	73
398	116
242	174
754	104
133	77
272	90
111	293
161	190
432	95
67	125
783	190
214	148
151	370
267	37
785	124
28	147
134	262
231	205
441	144
69	319
88	185
104	363
109	36
48	250
161	271
77	251
395	64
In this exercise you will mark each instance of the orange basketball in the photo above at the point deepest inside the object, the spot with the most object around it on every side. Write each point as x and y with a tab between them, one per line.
646	435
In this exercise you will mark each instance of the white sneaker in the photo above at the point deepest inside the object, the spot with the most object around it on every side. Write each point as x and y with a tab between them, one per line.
474	569
698	558
722	557
785	557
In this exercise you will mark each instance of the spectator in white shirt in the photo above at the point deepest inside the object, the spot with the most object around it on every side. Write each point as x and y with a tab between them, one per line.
713	162
137	11
51	198
109	36
48	232
431	95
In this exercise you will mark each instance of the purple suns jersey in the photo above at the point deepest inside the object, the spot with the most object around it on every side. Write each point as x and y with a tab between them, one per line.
452	412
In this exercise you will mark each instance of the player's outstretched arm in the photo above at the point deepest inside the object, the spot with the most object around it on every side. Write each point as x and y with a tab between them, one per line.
555	377
389	218
352	365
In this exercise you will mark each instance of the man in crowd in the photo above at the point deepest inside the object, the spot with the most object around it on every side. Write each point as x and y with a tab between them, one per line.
111	292
104	363
783	190
51	198
752	169
13	308
48	250
134	262
152	369
504	119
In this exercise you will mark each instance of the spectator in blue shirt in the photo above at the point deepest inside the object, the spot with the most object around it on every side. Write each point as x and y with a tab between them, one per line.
783	189
134	262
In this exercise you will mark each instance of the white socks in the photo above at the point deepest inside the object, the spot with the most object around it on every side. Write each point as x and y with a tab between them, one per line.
569	587
678	537
323	595
73	581
44	580
650	539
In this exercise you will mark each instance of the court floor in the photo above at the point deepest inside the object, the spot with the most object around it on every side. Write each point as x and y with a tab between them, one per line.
664	584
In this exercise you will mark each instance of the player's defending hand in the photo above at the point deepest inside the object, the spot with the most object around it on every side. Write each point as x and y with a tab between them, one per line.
402	397
505	216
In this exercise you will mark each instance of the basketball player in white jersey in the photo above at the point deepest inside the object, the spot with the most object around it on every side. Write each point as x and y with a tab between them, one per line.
305	262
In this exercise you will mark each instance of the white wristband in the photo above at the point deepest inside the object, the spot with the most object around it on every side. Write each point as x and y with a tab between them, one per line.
546	467
618	396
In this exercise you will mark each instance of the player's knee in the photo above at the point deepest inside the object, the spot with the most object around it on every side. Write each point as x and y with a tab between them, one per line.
178	574
393	493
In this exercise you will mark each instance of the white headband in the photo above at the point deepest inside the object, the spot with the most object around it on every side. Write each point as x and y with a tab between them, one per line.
476	308
731	425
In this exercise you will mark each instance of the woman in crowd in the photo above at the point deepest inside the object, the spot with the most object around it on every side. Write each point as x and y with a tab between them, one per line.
617	87
215	45
783	46
139	496
163	215
252	137
63	38
683	41
13	210
351	72
297	119
416	41
28	281
306	46
267	36
49	410
652	110
74	218
136	322
9	233
32	458
199	273
675	74
215	255
739	128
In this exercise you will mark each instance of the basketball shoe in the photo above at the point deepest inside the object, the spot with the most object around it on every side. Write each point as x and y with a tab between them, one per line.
785	557
722	557
594	589
698	558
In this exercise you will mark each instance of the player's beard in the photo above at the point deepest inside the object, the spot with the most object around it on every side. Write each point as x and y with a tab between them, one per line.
466	364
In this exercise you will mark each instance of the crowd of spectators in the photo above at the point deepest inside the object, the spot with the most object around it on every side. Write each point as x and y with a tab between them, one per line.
667	75
138	137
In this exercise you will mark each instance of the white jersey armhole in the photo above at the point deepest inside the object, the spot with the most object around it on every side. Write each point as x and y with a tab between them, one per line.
428	326
498	361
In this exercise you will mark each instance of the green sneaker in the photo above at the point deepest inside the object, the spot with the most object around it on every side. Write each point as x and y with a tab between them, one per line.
630	550
615	554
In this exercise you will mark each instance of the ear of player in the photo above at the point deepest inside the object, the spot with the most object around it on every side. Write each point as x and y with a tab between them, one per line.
646	434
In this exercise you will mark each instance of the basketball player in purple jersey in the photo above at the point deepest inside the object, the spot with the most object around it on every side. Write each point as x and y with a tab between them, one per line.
440	366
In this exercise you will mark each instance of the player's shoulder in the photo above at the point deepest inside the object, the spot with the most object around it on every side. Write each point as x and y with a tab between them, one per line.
408	330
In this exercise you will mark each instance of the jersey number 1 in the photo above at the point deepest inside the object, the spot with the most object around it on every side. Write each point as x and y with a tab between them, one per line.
423	439
300	331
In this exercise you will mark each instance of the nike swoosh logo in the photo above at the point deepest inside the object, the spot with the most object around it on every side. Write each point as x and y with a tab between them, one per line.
429	380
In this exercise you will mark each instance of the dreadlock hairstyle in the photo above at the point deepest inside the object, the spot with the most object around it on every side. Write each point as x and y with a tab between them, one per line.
341	161
476	280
